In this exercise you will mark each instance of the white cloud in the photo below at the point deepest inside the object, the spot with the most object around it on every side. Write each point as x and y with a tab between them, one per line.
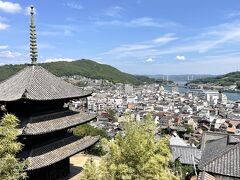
129	48
58	59
140	48
149	60
3	46
180	58
74	5
146	22
9	54
115	11
214	38
217	38
3	26
138	22
216	46
165	38
10	7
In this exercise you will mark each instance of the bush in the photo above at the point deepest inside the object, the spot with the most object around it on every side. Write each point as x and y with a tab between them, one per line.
88	130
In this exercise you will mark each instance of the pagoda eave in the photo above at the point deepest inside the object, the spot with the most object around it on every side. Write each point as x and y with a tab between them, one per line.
52	153
67	119
46	99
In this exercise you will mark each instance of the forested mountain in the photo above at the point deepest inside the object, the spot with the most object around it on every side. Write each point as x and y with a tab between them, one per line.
224	80
84	67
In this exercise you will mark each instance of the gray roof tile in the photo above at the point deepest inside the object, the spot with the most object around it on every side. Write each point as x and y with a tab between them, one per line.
55	121
186	154
36	83
222	157
57	151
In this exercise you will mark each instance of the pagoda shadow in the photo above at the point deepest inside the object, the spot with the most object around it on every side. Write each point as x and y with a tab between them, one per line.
74	173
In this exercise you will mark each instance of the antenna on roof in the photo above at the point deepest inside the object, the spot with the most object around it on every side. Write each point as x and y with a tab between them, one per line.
33	38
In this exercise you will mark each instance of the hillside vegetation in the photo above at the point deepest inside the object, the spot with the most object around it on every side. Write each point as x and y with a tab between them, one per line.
224	80
83	67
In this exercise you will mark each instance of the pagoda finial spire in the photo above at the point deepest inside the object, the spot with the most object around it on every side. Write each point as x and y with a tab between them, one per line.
33	38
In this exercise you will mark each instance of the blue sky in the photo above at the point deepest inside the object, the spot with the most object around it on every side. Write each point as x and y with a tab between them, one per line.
136	36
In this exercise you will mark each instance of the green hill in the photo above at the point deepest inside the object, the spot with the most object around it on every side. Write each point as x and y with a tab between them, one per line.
224	80
83	67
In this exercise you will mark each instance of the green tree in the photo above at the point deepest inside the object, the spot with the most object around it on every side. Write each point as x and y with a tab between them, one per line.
112	114
133	154
184	171
88	130
11	168
190	130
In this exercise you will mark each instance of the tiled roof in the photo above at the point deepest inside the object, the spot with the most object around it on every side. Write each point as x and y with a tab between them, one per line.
55	121
57	151
222	157
36	83
186	154
211	136
176	140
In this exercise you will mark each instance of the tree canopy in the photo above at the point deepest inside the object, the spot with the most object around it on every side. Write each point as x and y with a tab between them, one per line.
10	167
88	130
133	154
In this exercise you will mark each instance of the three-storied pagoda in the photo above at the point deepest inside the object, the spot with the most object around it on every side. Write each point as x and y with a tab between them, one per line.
37	98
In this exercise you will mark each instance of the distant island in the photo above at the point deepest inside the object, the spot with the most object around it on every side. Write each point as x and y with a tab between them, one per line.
229	81
84	67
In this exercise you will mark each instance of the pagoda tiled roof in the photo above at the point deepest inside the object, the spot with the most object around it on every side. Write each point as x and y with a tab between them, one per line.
36	83
47	123
52	153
